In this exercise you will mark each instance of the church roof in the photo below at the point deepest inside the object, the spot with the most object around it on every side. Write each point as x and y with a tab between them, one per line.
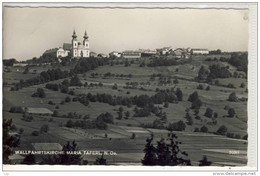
67	46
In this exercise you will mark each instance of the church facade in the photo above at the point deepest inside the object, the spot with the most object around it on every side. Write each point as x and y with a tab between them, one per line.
75	48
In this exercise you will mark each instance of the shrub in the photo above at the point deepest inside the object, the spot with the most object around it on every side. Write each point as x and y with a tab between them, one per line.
21	130
35	133
51	103
193	97
204	129
237	136
242	85
196	104
230	135
208	113
231	112
222	130
133	136
196	129
67	99
232	97
177	126
231	85
200	87
44	128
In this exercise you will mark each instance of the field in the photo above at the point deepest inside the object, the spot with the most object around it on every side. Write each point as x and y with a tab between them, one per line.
117	137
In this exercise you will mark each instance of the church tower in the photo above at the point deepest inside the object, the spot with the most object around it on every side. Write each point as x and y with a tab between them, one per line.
74	44
85	40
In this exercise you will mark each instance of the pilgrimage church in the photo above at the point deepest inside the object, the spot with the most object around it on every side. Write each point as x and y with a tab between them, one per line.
74	49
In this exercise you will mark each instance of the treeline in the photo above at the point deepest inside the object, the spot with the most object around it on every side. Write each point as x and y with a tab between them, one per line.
141	101
99	123
165	62
240	61
83	65
215	71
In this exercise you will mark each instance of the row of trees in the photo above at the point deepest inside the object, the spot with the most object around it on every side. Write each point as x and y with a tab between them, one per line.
165	62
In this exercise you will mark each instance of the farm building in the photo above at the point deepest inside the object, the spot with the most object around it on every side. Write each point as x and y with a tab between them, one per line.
147	52
131	54
164	50
115	54
41	111
93	54
181	53
199	51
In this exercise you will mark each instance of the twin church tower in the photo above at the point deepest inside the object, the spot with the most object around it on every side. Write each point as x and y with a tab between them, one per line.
78	49
75	48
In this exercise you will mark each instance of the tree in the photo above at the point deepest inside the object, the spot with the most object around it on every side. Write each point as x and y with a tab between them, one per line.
101	161
55	113
166	153
39	93
150	155
44	128
204	161
177	126
222	130
232	97
193	97
166	104
9	142
179	94
208	113
189	119
67	99
231	112
203	73
127	114
75	81
67	158
242	85
204	129
133	136
196	104
29	159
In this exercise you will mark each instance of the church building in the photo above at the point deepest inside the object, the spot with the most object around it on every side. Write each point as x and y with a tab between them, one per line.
75	48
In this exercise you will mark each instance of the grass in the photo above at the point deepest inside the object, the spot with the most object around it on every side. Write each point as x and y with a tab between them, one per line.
118	135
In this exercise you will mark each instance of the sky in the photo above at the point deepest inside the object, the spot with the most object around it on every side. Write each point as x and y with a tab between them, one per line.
28	32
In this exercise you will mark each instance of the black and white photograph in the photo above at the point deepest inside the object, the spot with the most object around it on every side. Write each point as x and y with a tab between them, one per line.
93	85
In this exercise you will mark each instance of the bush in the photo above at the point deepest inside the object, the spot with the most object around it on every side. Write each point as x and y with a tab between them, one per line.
231	85
35	133
237	136
196	129
133	136
242	85
232	97
231	112
51	103
21	130
196	104
44	128
193	97
222	130
204	129
177	126
230	135
200	87
208	113
67	99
